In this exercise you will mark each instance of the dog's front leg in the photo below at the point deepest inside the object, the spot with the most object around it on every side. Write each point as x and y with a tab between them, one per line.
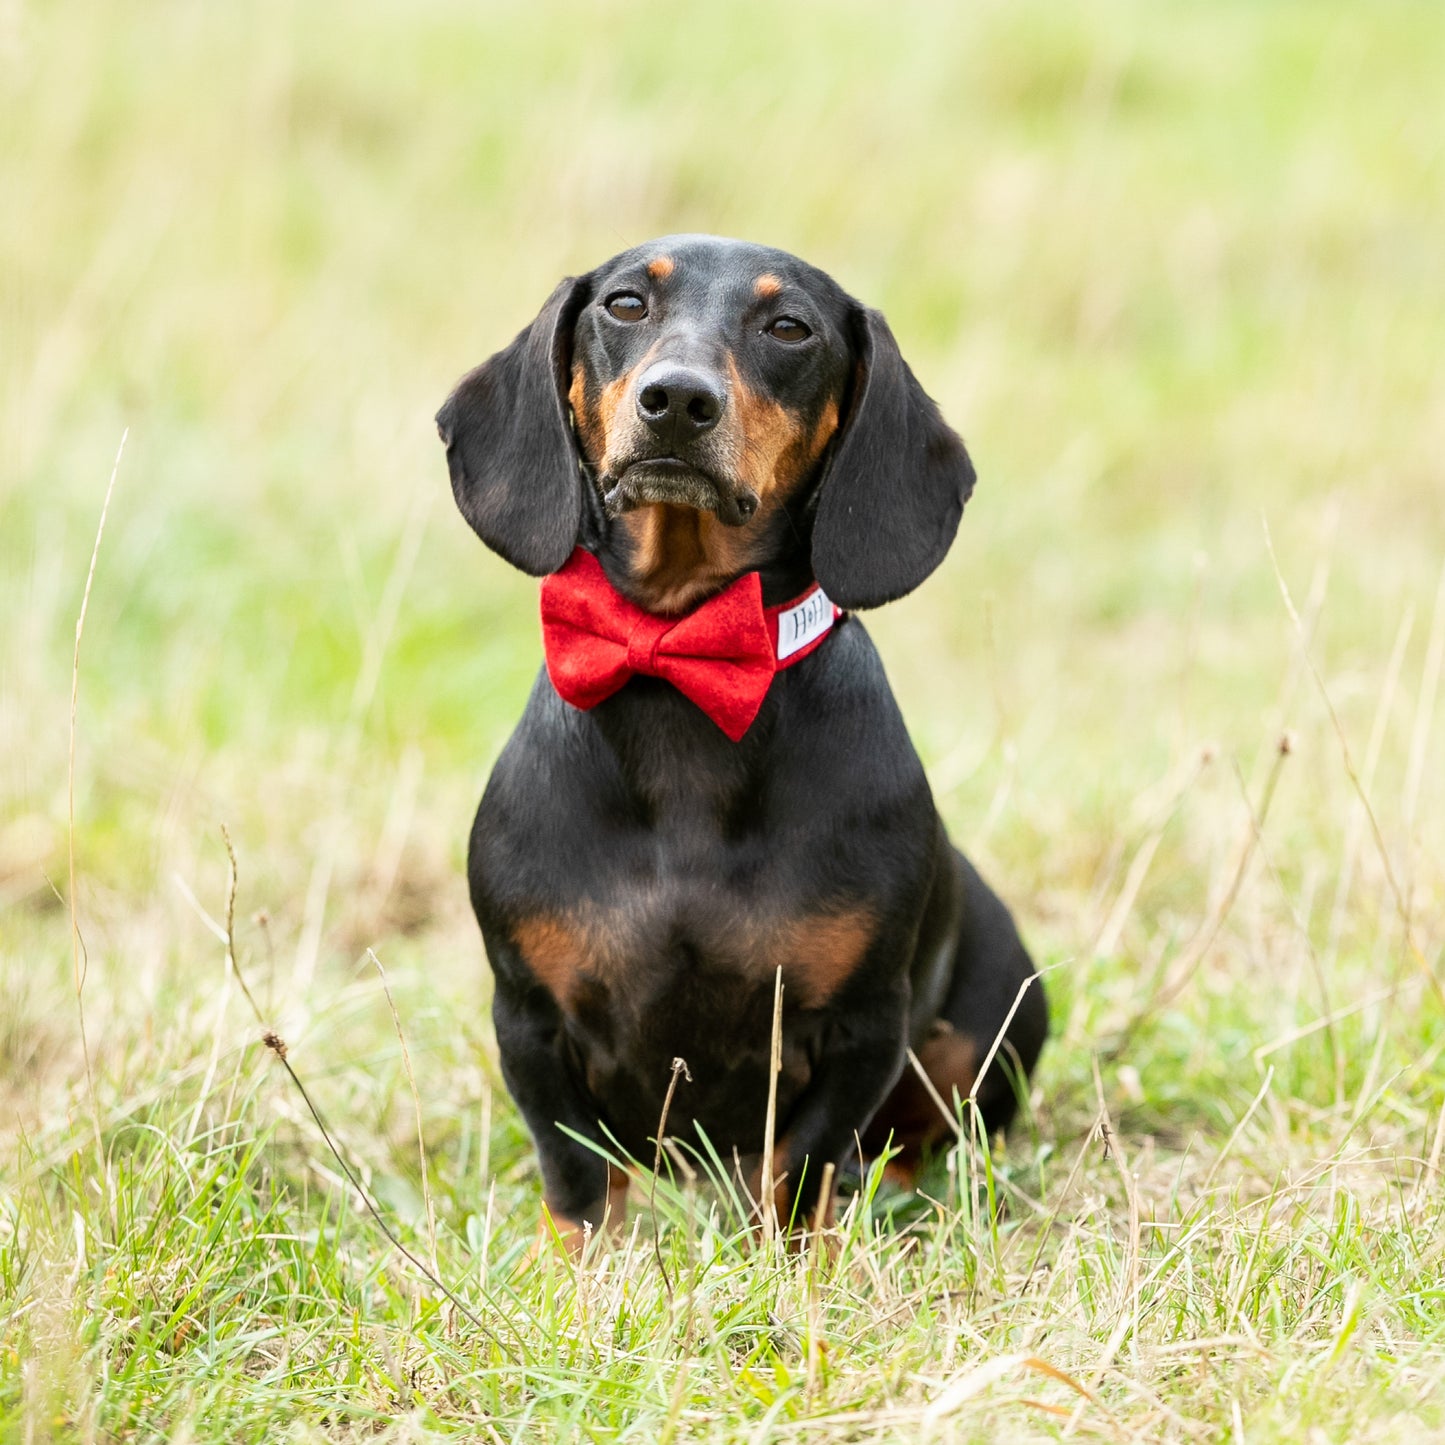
580	1189
859	1062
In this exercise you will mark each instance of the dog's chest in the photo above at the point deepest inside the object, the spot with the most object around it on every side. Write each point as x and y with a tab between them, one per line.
670	873
686	937
683	964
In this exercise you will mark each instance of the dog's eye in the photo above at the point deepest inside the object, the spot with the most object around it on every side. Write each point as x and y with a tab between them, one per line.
789	328
626	306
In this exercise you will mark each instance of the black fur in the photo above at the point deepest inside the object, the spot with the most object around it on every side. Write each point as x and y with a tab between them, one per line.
892	499
636	876
509	448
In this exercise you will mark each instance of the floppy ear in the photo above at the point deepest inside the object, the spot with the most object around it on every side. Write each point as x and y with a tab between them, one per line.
513	463
890	502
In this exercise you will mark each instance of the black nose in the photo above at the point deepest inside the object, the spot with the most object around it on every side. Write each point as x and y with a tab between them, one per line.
679	403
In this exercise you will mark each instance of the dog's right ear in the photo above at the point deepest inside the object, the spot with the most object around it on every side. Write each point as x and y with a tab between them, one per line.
895	490
513	463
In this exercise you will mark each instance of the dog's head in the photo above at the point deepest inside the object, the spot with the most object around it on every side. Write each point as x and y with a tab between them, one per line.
722	401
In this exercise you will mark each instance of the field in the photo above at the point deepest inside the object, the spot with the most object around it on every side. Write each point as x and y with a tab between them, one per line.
1178	275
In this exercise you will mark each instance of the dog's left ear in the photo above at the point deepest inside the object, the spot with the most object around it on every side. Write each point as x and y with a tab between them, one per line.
892	497
509	442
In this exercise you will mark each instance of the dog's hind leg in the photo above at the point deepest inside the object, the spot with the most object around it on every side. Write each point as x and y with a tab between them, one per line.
992	978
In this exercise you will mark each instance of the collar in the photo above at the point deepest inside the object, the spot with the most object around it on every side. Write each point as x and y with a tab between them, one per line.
723	655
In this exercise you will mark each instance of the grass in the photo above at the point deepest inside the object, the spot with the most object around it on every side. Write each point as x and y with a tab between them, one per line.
1177	274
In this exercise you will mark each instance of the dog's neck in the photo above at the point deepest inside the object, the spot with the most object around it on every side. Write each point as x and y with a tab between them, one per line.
669	559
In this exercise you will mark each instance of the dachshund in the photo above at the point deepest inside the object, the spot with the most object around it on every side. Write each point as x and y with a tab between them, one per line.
714	457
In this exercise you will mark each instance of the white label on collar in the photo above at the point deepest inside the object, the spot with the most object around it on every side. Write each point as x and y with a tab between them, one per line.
800	625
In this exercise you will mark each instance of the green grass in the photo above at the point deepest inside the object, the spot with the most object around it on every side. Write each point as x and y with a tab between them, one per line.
1176	272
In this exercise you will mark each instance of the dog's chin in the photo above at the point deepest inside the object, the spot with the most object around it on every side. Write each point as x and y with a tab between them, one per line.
667	480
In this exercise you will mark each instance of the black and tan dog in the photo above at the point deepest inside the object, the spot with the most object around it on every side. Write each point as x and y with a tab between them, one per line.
695	438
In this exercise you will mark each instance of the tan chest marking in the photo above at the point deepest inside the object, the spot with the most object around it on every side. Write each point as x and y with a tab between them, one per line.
818	952
555	948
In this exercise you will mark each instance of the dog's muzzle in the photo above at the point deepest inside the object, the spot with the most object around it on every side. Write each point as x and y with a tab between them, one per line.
670	481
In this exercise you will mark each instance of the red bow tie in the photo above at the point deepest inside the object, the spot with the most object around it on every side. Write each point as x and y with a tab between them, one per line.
722	656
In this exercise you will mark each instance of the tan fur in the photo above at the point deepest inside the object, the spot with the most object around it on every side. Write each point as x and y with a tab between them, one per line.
818	952
574	1232
681	555
782	1192
555	949
911	1114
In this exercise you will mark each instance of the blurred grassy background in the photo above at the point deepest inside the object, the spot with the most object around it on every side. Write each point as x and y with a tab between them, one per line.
1168	269
1171	269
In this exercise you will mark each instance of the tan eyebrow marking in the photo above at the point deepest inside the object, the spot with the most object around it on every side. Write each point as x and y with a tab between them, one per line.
767	285
661	267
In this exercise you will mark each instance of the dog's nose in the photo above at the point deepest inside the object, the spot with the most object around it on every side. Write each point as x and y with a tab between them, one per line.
679	403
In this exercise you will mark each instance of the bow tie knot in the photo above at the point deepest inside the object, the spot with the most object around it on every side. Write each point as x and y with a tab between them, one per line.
643	640
722	656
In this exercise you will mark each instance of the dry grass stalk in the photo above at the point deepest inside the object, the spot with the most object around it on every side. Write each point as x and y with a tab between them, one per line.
1402	905
768	1204
279	1048
79	959
431	1213
679	1069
